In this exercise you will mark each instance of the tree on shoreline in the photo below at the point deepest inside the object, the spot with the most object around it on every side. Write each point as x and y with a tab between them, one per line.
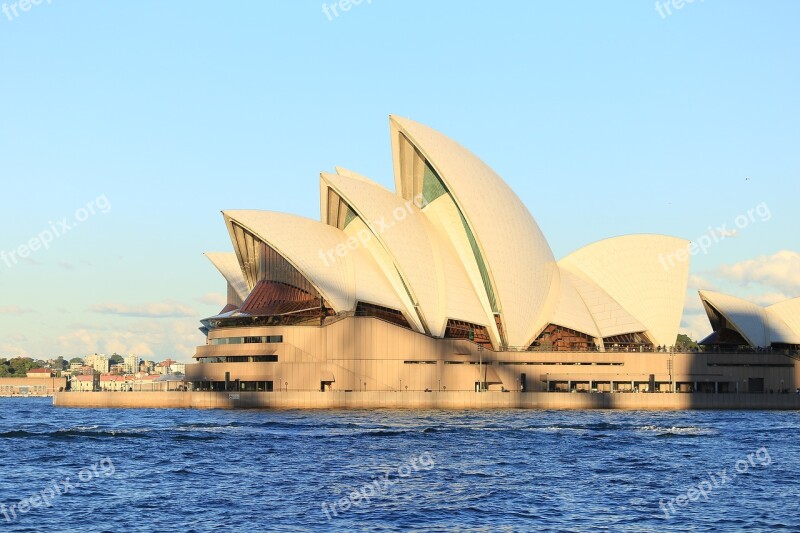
18	366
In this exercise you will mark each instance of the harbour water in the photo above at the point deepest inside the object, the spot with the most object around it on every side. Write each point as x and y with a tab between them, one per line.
396	470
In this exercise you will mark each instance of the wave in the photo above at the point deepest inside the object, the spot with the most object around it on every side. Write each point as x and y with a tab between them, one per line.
18	434
663	431
575	427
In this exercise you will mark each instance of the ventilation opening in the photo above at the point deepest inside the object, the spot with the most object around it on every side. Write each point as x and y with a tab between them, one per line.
560	339
384	313
629	342
458	329
339	213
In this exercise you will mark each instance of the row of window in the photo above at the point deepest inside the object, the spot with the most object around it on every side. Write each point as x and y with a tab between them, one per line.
244	386
14	388
762	365
562	363
503	363
269	339
241	359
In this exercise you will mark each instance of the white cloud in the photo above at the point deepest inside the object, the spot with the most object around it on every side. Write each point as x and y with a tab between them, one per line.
166	309
14	310
780	272
769	298
693	304
9	351
696	326
213	298
157	339
697	283
83	341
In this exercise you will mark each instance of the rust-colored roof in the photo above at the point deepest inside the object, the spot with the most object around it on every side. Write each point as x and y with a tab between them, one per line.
272	298
228	308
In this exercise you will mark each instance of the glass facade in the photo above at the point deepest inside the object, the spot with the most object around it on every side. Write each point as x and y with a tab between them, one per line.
432	186
270	339
384	313
240	359
350	216
487	284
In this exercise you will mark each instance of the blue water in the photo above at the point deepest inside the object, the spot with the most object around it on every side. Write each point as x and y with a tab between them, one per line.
185	470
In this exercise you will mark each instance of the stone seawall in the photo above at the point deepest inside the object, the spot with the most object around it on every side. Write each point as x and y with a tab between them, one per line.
423	400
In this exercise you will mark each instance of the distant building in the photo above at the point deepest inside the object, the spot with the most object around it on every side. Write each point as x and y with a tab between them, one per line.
85	370
97	361
74	367
147	382
112	382
163	367
83	382
131	364
31	386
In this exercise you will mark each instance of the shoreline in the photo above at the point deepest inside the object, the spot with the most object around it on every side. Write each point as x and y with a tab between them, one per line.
427	400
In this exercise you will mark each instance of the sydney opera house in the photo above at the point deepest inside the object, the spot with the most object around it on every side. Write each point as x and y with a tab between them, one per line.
448	284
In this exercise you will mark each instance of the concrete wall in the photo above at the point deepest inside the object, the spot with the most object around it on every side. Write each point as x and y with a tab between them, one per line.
368	354
423	400
35	386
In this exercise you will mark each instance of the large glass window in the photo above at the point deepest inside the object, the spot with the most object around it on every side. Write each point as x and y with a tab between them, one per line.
273	358
269	339
432	186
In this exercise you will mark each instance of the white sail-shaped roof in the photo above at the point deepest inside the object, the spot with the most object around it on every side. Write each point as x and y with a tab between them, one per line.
759	326
426	263
313	249
228	266
571	311
636	272
609	316
455	242
521	271
747	318
778	330
443	214
788	312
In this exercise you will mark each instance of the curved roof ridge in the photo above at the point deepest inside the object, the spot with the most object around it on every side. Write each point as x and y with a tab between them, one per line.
228	265
323	257
644	273
519	262
413	245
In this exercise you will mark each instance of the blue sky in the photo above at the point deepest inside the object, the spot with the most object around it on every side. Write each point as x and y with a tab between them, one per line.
605	117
